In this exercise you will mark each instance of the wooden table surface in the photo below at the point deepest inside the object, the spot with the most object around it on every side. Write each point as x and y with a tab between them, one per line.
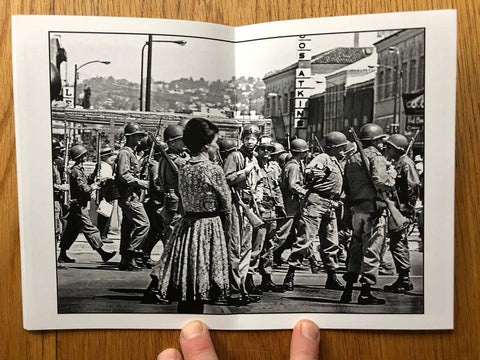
461	343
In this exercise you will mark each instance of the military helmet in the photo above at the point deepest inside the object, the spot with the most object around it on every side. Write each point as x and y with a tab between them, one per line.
283	158
56	145
335	139
299	145
183	122
158	144
398	141
266	142
172	132
279	149
106	151
132	129
226	145
145	143
371	132
251	130
77	151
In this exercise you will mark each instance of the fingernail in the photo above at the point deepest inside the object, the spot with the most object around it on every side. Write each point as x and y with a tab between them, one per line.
192	329
310	331
169	354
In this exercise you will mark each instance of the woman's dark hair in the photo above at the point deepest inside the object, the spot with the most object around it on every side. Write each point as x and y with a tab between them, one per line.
198	132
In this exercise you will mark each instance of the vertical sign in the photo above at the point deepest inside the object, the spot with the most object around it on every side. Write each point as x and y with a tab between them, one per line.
68	95
303	81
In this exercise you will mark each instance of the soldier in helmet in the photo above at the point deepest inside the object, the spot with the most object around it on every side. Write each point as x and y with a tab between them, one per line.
167	178
241	170
135	223
270	206
407	183
59	188
81	187
283	158
368	214
324	181
293	190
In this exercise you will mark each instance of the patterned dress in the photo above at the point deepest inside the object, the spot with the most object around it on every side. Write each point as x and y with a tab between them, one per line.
194	265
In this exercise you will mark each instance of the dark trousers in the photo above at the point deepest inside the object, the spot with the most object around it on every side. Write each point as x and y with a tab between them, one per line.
103	224
78	221
157	227
135	225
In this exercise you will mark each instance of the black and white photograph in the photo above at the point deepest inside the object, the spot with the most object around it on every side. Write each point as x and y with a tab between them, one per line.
270	172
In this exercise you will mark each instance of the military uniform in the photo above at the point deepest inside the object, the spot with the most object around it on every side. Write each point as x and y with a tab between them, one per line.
407	183
368	219
318	217
78	217
270	204
57	201
135	222
242	234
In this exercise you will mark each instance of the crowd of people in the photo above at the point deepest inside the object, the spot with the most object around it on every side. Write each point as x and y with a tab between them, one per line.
227	209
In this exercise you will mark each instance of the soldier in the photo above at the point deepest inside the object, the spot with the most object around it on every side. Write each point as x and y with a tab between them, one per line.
324	181
106	177
78	219
274	159
368	219
167	178
293	190
166	187
241	170
270	205
135	223
407	183
58	188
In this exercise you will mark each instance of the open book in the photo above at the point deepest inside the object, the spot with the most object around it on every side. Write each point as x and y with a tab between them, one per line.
108	239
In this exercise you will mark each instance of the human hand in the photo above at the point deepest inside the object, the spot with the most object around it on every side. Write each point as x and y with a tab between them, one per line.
196	343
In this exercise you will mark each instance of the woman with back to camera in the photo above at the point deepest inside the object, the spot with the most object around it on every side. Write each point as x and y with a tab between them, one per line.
194	266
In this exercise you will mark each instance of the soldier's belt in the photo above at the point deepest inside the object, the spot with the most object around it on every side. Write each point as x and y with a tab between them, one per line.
326	195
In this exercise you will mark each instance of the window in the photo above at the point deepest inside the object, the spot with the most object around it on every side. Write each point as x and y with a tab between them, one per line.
285	103
404	77
421	73
412	76
388	84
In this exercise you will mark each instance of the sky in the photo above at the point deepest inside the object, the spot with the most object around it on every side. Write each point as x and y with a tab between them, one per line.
210	59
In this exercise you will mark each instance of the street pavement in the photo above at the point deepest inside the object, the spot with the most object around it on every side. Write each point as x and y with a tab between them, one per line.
91	286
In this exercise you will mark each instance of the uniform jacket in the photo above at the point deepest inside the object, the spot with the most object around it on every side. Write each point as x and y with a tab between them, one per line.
324	174
267	190
407	182
80	189
359	188
292	186
128	172
234	168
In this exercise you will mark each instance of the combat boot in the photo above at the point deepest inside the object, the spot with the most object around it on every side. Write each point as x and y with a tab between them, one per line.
366	297
333	283
250	286
346	297
128	262
268	285
401	285
315	265
106	256
288	281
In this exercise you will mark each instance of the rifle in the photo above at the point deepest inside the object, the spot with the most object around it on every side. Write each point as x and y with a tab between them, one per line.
412	141
97	175
252	218
398	221
287	136
318	144
144	171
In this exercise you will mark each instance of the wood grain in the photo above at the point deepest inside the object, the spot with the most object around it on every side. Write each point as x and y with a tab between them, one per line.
462	343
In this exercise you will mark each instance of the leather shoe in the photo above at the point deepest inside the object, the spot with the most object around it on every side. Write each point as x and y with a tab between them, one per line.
288	282
269	285
108	255
399	286
63	258
153	297
251	287
346	297
128	265
333	283
369	300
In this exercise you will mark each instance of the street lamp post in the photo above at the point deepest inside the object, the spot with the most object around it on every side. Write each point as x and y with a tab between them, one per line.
149	69
76	75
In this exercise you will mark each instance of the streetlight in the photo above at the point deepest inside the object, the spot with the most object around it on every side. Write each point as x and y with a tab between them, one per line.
76	75
149	69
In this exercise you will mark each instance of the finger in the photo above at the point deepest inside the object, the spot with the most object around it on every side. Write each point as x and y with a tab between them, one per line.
196	343
305	341
170	354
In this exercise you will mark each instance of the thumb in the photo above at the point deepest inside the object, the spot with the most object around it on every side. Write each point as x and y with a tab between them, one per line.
305	341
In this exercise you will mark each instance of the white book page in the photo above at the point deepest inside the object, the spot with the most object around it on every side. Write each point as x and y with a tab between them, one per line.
218	52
